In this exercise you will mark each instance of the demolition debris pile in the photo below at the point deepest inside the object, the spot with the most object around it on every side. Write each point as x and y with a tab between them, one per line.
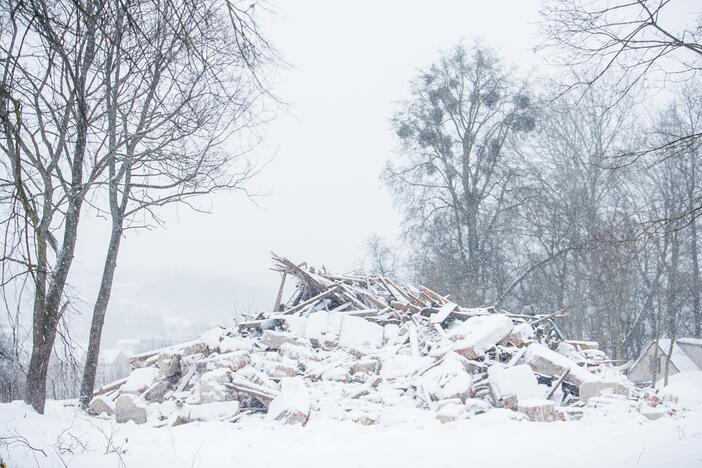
366	349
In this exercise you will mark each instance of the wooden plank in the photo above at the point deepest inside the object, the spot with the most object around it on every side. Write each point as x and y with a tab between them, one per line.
443	313
437	297
403	293
375	301
310	301
439	329
381	281
348	293
279	297
558	383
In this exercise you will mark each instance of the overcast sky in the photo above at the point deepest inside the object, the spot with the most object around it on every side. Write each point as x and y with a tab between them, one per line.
351	62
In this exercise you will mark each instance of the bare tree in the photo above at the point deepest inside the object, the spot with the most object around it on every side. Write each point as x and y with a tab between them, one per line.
631	43
46	122
172	106
382	257
451	178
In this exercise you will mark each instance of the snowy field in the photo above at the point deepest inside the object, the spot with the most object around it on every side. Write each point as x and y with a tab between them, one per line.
612	437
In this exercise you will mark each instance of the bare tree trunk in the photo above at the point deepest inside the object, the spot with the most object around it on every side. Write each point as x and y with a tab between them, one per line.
666	372
696	313
671	305
692	186
99	311
47	314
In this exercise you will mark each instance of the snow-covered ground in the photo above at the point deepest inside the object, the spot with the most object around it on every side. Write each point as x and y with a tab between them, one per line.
612	437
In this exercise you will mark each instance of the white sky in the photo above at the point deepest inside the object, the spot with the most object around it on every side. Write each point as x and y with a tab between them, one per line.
351	62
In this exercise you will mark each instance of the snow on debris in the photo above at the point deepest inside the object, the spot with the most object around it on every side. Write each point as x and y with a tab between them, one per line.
366	349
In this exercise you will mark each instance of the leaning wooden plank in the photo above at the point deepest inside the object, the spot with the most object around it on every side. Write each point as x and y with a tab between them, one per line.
402	293
437	297
348	293
184	381
374	300
558	383
310	301
383	285
439	329
279	297
547	317
443	313
405	307
345	278
341	308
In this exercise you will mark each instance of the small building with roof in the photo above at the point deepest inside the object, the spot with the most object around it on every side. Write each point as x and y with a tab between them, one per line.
686	356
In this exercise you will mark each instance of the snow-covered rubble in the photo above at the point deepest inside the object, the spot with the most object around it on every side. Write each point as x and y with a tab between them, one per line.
365	349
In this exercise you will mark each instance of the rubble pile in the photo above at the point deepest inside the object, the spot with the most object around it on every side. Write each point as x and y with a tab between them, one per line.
369	350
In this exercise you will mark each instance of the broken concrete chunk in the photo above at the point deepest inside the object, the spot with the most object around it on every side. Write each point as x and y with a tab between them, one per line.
215	411
296	353
538	409
211	339
258	378
234	360
292	405
277	370
229	344
157	391
275	339
296	325
447	380
390	333
362	417
478	334
402	365
570	351
595	388
544	361
451	412
212	386
128	408
518	380
323	328
102	404
168	363
521	334
365	366
477	406
186	362
359	332
140	379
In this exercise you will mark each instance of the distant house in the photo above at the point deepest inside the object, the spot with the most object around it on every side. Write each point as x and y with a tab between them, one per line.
686	357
